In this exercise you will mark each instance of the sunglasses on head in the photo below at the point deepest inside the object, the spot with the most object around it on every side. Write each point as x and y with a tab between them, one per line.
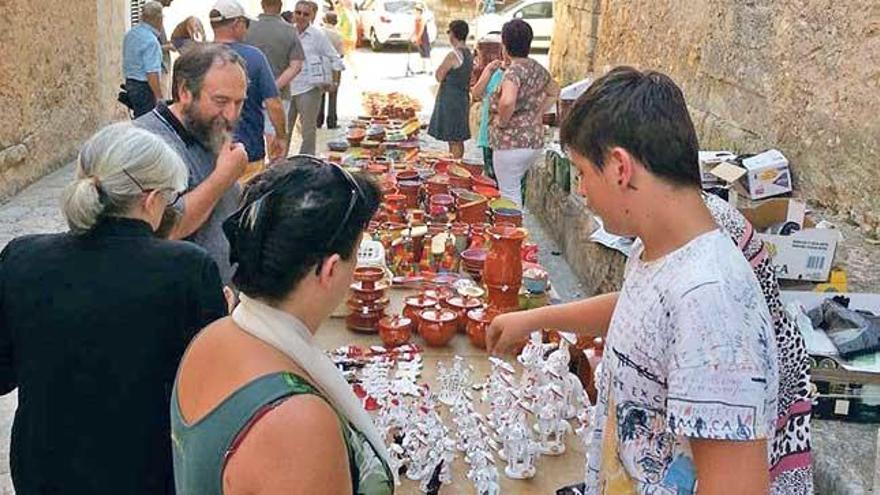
250	215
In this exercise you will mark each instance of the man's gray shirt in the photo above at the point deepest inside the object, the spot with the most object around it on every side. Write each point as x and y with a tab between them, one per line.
279	42
200	161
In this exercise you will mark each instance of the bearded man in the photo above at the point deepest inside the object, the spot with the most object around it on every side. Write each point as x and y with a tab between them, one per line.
208	89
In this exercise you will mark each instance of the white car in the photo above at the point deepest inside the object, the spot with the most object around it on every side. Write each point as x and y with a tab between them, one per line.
538	13
386	22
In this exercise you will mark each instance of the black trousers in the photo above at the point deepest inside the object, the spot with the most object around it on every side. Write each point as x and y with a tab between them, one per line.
141	96
331	109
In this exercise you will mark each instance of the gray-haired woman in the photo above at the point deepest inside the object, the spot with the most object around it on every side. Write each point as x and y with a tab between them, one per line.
93	323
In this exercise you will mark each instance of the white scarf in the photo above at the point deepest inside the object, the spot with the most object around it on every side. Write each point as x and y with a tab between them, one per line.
289	335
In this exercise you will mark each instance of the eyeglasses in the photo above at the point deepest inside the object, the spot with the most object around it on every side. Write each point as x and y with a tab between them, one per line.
171	202
301	13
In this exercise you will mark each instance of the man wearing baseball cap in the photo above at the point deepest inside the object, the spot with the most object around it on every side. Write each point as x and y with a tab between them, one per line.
230	23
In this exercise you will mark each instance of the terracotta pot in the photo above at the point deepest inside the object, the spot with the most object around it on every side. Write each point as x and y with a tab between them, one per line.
473	212
437	326
368	276
462	182
508	215
395	330
478	321
365	317
503	265
488	192
502	298
443	164
408	175
440	205
363	294
439	184
473	166
482	180
461	306
438	291
411	189
397	202
413	305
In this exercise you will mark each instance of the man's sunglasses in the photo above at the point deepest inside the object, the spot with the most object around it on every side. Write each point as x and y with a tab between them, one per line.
176	195
301	13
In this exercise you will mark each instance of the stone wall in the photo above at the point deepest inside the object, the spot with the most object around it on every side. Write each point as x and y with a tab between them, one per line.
56	81
800	75
568	221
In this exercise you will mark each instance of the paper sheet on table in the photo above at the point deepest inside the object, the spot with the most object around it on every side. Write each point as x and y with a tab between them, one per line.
609	240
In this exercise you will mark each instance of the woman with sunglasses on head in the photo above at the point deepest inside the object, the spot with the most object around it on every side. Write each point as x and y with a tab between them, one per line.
277	416
93	323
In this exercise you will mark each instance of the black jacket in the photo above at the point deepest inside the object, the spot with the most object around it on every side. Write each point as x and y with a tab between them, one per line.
92	329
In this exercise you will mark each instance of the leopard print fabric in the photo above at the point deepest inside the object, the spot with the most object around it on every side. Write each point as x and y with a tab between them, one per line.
791	458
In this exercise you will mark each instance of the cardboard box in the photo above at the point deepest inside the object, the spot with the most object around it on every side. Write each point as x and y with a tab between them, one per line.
761	176
804	255
767	175
708	161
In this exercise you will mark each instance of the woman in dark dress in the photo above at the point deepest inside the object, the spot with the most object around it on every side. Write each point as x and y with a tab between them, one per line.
449	122
93	323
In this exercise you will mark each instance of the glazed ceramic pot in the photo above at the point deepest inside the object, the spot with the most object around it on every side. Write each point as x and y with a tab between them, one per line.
437	326
503	265
368	276
395	330
438	184
473	166
364	317
443	164
502	298
355	136
472	209
411	189
440	206
482	180
413	305
462	182
510	216
367	292
408	175
488	192
472	261
462	305
396	202
478	321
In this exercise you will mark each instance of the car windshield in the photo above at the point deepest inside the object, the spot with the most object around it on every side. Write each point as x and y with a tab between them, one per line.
400	7
514	5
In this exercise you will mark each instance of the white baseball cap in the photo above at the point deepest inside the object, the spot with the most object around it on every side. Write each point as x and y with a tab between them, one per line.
227	9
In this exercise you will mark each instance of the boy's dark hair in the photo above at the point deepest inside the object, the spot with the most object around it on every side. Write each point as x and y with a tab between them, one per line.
293	216
516	36
459	29
642	112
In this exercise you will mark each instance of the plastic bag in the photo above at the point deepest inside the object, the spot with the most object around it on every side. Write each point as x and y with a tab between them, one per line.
853	332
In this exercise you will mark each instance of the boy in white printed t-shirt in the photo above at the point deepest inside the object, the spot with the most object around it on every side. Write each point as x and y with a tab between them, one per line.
688	384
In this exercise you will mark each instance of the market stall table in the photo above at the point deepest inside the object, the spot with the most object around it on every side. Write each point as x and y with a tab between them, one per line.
553	472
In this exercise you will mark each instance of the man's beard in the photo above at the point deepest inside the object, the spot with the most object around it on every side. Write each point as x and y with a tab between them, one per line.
211	133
